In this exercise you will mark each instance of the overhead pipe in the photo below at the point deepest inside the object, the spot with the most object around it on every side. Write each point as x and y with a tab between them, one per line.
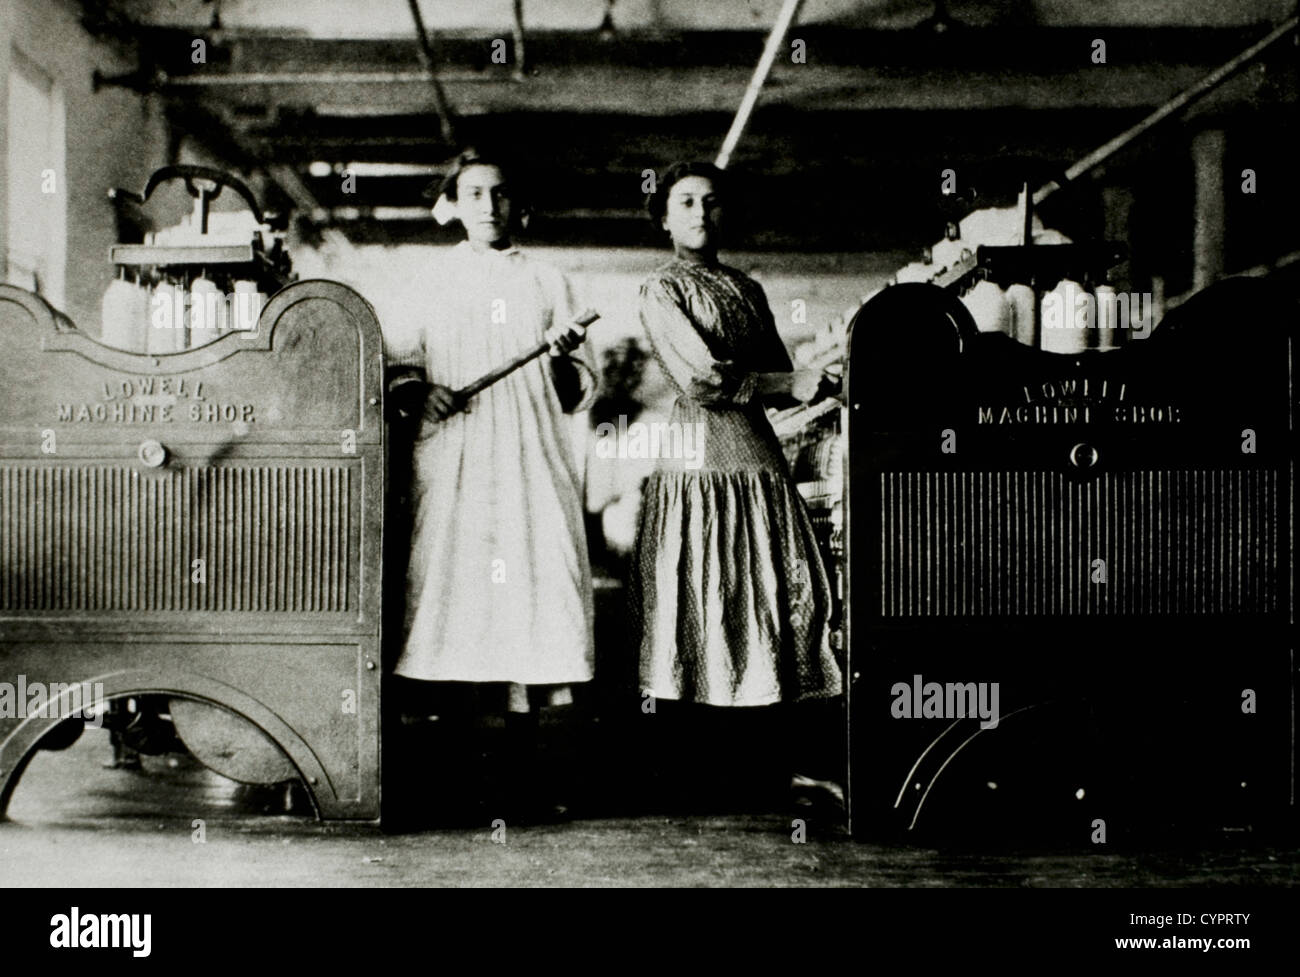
518	29
1202	88
426	57
237	78
789	10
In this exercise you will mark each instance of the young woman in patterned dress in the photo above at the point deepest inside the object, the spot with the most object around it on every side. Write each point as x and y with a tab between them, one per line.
734	602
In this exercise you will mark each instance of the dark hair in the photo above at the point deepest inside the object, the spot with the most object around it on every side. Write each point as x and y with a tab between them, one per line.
468	157
656	203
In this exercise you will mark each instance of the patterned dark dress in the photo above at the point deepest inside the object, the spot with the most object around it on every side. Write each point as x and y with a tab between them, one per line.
734	603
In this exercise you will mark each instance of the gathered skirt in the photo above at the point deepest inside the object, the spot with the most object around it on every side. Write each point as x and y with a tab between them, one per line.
734	602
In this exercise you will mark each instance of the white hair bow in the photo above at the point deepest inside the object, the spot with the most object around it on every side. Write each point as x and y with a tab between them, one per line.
444	211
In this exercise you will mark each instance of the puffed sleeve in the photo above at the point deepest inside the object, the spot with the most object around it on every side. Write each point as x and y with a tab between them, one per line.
404	352
573	373
686	357
404	347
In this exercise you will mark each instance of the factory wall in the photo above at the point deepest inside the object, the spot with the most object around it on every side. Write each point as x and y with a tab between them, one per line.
111	138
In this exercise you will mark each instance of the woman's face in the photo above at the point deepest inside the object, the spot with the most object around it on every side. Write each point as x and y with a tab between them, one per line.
483	204
693	215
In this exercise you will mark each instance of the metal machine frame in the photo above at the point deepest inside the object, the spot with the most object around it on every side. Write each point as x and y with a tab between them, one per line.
261	454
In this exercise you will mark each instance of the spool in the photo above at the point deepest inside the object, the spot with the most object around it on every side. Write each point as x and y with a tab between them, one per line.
209	317
167	327
1111	333
1063	323
1022	309
248	306
988	307
124	316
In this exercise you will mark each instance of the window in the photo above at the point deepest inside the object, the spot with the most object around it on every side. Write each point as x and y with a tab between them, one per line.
37	193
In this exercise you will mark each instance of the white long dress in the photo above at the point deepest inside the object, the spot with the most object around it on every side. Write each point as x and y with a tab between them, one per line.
499	585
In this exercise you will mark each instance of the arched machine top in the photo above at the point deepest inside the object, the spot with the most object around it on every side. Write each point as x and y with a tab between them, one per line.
266	380
59	334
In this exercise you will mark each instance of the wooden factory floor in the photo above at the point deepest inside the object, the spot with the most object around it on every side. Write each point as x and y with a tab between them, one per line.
75	823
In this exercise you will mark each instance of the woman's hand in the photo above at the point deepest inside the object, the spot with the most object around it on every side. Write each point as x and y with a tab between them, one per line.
802	386
441	403
564	338
810	386
805	385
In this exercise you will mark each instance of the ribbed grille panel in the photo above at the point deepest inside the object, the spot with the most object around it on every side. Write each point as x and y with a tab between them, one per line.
272	538
1023	543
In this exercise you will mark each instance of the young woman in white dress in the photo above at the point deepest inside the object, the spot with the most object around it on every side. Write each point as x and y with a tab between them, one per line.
498	586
